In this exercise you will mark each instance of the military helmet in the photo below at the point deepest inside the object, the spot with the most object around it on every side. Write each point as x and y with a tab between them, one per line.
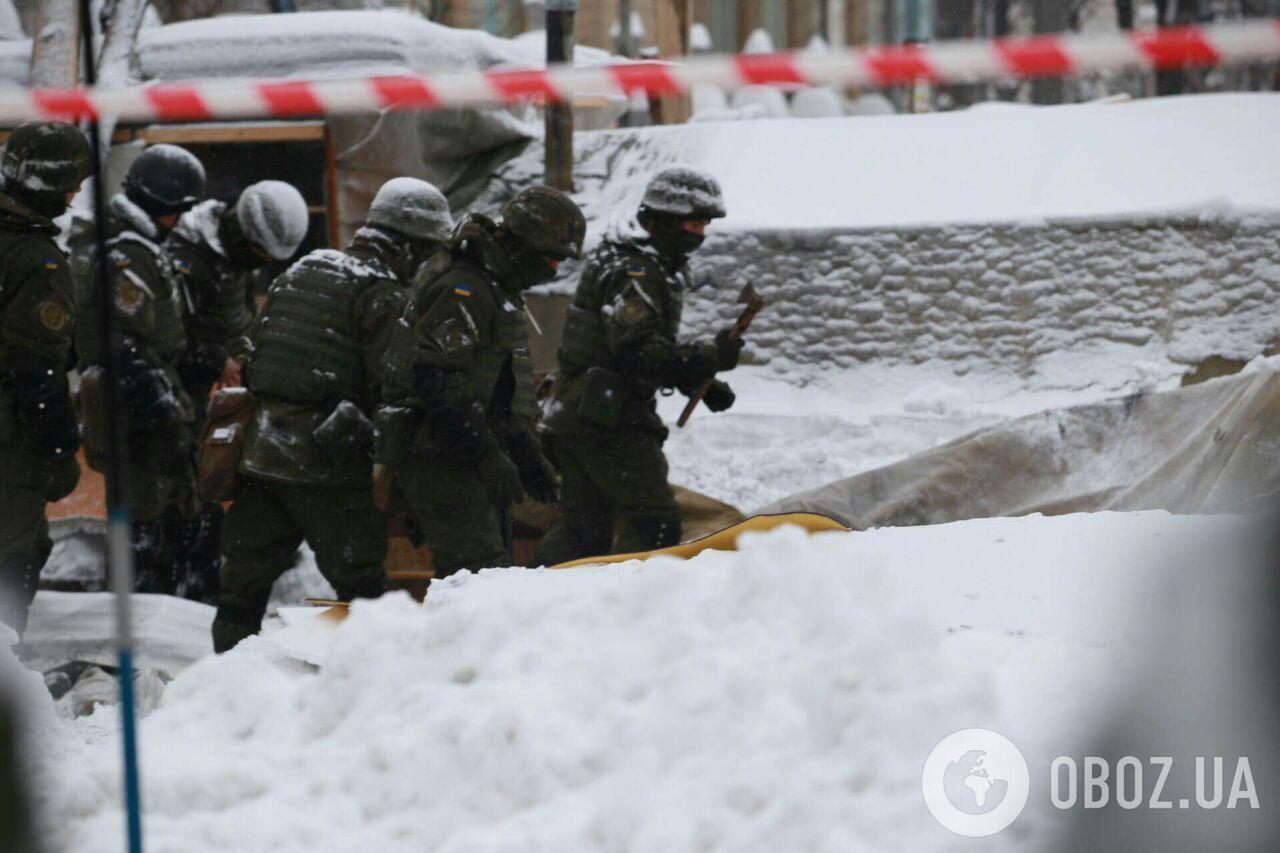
547	220
46	159
165	180
413	208
685	192
273	217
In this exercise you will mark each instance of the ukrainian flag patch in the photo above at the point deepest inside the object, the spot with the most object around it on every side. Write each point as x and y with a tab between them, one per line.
50	264
463	290
183	266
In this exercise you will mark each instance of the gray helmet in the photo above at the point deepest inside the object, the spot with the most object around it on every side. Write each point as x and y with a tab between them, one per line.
273	216
165	180
685	192
413	208
547	220
43	161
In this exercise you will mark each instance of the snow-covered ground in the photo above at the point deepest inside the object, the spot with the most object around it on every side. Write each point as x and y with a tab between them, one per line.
780	698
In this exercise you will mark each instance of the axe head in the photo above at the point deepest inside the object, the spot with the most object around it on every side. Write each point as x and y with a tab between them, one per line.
750	298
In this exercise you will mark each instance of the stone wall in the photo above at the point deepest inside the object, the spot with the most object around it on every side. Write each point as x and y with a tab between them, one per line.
1012	296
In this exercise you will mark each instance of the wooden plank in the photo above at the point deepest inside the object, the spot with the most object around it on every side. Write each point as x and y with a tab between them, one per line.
226	132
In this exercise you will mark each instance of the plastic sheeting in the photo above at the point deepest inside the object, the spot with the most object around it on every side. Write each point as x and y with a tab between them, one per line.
171	633
1212	447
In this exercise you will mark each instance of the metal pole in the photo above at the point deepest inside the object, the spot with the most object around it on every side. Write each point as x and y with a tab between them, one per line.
119	521
559	125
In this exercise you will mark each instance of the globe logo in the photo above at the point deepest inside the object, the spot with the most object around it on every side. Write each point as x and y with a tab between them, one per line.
970	787
975	782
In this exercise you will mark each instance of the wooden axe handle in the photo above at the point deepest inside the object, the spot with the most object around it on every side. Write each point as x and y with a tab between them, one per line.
739	328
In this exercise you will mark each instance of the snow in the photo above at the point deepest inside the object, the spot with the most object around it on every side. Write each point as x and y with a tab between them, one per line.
1025	166
339	43
273	215
780	698
199	225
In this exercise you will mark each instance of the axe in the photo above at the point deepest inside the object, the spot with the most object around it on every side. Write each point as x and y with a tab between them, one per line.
753	302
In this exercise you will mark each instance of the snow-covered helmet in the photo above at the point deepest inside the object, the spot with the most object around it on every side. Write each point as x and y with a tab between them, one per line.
43	162
165	180
273	217
411	207
684	192
547	220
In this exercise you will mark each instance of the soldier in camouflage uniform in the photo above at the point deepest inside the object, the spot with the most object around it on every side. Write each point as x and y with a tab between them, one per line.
162	184
42	166
317	368
457	430
214	247
619	349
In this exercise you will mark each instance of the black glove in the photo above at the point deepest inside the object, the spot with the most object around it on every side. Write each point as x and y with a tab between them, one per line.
719	396
202	364
44	405
728	350
500	477
536	474
64	475
147	396
457	432
695	368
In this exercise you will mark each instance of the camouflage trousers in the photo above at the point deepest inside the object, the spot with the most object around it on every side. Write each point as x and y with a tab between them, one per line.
610	481
451	507
261	534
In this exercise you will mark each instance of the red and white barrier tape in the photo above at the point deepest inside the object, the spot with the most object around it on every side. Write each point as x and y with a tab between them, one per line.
949	62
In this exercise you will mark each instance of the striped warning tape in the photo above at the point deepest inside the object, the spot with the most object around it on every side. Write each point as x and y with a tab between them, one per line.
944	62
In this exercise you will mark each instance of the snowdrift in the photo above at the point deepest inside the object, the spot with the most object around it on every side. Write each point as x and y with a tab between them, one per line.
1205	448
778	698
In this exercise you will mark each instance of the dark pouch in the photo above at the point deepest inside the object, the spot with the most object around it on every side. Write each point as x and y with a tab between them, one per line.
93	416
397	428
223	441
602	397
345	434
8	417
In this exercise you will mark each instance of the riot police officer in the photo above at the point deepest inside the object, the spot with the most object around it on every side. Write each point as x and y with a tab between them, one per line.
619	349
457	427
215	246
42	167
164	182
316	369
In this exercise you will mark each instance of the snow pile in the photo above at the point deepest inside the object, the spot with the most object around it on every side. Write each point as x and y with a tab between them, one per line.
780	698
340	43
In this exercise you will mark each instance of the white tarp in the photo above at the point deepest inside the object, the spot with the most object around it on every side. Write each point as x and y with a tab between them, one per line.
1211	447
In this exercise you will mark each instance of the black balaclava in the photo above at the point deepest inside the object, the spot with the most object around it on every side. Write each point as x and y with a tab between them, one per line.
235	245
527	262
668	236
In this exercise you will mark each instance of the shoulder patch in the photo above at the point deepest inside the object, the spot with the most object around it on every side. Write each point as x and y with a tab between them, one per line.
53	316
635	270
50	264
182	266
464	290
129	296
633	311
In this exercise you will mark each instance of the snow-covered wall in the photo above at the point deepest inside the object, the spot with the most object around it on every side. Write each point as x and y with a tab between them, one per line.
1052	243
1034	299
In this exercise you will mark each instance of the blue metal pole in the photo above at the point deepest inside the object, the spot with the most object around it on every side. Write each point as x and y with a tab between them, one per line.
119	522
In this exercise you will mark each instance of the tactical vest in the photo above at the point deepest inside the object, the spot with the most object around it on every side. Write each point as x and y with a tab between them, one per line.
584	343
308	347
